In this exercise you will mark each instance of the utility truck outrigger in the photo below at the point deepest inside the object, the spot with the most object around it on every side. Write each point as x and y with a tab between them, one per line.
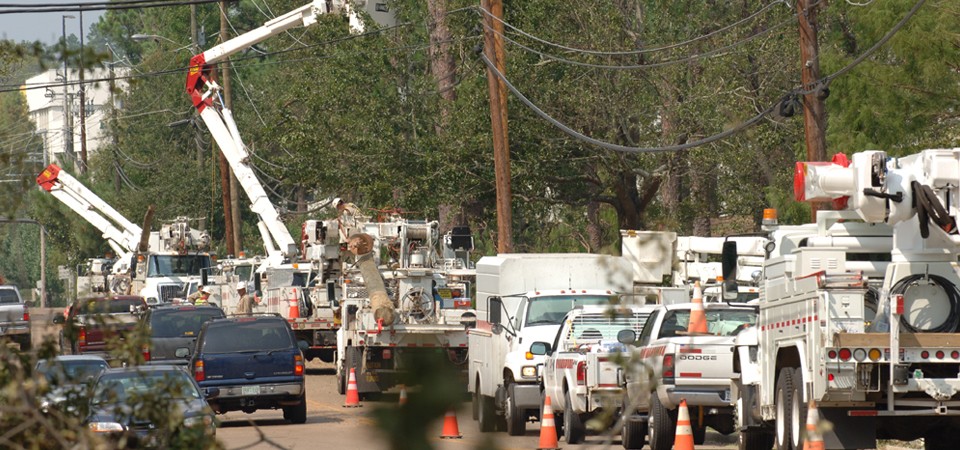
860	317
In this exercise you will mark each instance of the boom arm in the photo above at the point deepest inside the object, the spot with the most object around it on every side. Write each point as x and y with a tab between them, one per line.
122	235
219	119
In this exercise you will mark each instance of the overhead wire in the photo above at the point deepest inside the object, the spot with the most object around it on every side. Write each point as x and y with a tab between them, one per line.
98	6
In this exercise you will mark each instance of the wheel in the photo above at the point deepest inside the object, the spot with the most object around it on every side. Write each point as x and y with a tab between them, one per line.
633	433
661	426
574	430
341	382
784	404
514	416
486	416
798	411
296	413
751	438
475	403
941	439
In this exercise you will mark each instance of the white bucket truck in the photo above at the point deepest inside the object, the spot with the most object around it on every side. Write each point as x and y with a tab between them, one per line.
522	299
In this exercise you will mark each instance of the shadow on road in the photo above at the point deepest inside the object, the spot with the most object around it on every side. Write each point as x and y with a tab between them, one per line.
311	418
321	371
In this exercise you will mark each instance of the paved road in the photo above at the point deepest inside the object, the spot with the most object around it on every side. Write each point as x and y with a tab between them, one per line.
329	425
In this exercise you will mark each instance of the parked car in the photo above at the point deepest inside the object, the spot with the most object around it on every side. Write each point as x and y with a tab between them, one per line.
117	407
255	363
173	332
91	322
14	317
70	378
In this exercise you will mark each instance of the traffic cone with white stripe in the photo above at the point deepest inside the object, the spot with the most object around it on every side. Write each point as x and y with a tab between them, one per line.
353	395
814	440
684	437
548	428
450	428
698	316
403	395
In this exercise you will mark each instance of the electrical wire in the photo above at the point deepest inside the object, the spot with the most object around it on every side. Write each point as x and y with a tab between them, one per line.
951	322
100	6
640	51
706	54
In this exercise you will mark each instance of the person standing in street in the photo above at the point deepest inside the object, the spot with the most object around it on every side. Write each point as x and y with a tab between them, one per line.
201	297
245	305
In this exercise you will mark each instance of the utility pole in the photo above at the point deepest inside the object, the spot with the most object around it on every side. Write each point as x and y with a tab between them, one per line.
814	113
83	106
228	103
67	117
493	49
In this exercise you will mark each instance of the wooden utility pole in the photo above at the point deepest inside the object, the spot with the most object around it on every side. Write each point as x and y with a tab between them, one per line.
83	106
814	113
228	103
493	49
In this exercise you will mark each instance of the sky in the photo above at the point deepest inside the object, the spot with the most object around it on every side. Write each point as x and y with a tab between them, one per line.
43	27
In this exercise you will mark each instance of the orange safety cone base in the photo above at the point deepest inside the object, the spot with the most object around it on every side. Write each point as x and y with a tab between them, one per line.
684	437
450	428
353	395
813	441
548	428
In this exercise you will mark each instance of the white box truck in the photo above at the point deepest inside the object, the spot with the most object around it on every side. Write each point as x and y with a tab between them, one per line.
522	299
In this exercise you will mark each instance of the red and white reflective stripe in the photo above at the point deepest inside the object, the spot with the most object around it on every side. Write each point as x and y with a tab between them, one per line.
788	323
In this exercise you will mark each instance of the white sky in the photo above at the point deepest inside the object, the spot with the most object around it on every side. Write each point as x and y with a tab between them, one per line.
43	27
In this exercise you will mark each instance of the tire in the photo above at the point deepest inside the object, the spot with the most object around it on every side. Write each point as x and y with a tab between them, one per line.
662	425
784	404
342	382
799	411
633	433
475	403
486	415
573	428
941	439
514	416
557	424
752	438
296	413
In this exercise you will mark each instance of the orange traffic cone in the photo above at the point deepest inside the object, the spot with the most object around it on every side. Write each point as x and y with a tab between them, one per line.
814	440
403	395
548	428
684	439
698	317
294	311
450	428
353	395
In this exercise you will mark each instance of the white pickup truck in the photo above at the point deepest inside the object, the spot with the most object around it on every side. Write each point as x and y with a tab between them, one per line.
673	364
582	370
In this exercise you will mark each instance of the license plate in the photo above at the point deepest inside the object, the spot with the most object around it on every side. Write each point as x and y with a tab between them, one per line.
250	390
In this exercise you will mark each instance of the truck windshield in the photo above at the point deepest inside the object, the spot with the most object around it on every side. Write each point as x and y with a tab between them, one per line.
177	265
243	272
720	322
550	310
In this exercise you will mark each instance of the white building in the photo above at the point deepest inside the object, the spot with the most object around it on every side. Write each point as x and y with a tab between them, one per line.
47	105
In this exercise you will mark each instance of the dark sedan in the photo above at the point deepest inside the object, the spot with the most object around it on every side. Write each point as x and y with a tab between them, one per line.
151	406
69	378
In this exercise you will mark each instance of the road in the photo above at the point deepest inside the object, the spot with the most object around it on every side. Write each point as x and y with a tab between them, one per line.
330	425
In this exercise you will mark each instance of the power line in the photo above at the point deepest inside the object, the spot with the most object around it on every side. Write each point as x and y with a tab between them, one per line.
639	51
98	6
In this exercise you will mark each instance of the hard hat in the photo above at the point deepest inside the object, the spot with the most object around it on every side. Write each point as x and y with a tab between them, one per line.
206	290
241	285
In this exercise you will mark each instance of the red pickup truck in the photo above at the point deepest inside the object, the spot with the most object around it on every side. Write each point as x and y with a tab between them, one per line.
88	324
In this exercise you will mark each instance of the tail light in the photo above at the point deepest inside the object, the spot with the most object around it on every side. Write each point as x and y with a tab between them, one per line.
387	353
82	338
298	365
668	369
198	373
145	351
26	315
582	372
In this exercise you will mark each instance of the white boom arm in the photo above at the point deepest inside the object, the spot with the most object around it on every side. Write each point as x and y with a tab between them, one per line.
122	235
219	119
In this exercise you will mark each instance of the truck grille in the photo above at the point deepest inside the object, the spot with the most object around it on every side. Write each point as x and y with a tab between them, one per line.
602	326
167	292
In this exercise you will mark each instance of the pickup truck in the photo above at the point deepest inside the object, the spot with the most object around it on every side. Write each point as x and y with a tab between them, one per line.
89	324
674	364
581	370
14	317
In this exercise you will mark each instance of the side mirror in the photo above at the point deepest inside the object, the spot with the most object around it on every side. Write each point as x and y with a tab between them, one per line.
211	393
540	348
181	352
59	319
626	336
495	309
728	260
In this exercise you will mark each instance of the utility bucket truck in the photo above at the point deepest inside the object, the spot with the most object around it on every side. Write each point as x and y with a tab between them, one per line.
522	299
860	317
155	265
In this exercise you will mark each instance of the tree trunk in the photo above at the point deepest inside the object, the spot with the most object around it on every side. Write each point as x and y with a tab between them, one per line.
594	228
441	59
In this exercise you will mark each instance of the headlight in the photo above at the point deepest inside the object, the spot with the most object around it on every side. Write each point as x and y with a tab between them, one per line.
198	421
528	371
105	427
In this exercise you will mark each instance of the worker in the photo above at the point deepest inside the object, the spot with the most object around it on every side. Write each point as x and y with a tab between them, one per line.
246	302
203	296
